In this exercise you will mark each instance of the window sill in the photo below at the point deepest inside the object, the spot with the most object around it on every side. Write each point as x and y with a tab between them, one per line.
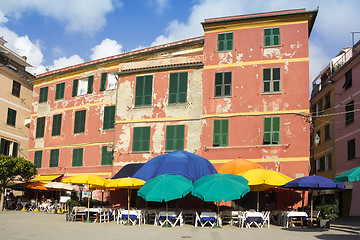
272	46
224	51
142	106
10	125
178	104
43	102
247	146
59	99
140	152
271	93
220	97
107	129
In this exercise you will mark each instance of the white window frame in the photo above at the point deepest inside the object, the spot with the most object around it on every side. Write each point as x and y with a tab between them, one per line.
111	82
83	86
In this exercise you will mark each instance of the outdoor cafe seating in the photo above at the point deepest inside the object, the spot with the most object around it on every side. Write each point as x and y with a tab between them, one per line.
204	218
172	218
134	216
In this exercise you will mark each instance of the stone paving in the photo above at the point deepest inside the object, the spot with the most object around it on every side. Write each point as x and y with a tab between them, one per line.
43	226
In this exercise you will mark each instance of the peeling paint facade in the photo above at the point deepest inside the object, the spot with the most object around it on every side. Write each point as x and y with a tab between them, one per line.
149	123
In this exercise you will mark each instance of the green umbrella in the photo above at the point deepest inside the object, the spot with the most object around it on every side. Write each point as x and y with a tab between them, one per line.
165	188
220	187
349	176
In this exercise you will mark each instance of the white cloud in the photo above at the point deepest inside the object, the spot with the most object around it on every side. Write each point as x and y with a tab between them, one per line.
160	5
106	48
86	16
66	62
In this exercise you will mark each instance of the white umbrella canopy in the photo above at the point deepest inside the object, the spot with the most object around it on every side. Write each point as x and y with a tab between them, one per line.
60	186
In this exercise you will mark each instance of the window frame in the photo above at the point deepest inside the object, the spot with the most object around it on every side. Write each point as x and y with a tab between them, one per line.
221	136
38	159
178	140
79	85
109	123
11	117
351	149
56	125
40	127
142	143
77	160
272	133
349	113
54	158
271	81
327	132
106	157
60	91
348	80
222	77
271	37
43	95
16	89
141	96
225	42
178	87
79	121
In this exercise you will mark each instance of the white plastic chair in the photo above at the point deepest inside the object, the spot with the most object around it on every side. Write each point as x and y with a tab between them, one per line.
135	217
206	218
104	215
266	219
173	218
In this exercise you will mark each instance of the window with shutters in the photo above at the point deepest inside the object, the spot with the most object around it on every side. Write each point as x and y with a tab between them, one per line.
11	117
349	115
271	80
54	158
175	137
178	87
141	139
77	160
327	132
351	149
223	84
8	147
106	157
327	101
80	118
221	133
16	89
225	42
60	90
83	86
271	37
40	127
143	91
43	94
38	159
348	80
56	127
108	81
271	132
109	117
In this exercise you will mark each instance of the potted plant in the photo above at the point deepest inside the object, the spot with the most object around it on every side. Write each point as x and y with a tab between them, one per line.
328	213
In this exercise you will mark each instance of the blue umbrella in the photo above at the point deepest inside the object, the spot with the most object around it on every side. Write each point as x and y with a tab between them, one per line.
313	183
182	163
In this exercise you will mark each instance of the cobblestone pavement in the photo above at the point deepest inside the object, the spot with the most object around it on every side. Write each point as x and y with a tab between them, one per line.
43	226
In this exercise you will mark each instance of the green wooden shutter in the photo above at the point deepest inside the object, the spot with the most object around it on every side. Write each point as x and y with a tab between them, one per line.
2	146
106	158
276	130
103	82
43	94
170	138
276	79
180	136
136	139
56	129
141	139
229	41
80	118
221	42
173	87
216	133
148	90
38	159
146	139
109	117
90	84
11	117
40	127
77	157
224	132
276	36
221	133
15	149
75	87
60	88
54	158
267	131
139	91
143	91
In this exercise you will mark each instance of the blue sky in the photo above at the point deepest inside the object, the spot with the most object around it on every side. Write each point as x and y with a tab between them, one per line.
55	34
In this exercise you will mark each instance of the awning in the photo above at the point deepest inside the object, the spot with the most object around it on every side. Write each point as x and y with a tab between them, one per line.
46	178
128	170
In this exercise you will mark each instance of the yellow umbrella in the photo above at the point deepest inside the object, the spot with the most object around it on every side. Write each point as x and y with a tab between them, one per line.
93	181
262	179
127	183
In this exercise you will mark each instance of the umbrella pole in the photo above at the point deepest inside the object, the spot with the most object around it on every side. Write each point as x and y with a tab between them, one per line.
258	199
167	223
88	215
128	223
217	217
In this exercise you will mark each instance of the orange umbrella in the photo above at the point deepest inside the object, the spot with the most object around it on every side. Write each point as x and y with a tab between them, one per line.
35	185
238	166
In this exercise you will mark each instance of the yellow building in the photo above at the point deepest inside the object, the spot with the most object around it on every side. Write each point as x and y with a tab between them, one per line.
15	103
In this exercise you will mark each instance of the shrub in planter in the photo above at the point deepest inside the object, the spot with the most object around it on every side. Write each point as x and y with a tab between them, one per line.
70	204
328	212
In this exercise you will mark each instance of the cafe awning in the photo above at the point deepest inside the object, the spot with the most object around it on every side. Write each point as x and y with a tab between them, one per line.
46	178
